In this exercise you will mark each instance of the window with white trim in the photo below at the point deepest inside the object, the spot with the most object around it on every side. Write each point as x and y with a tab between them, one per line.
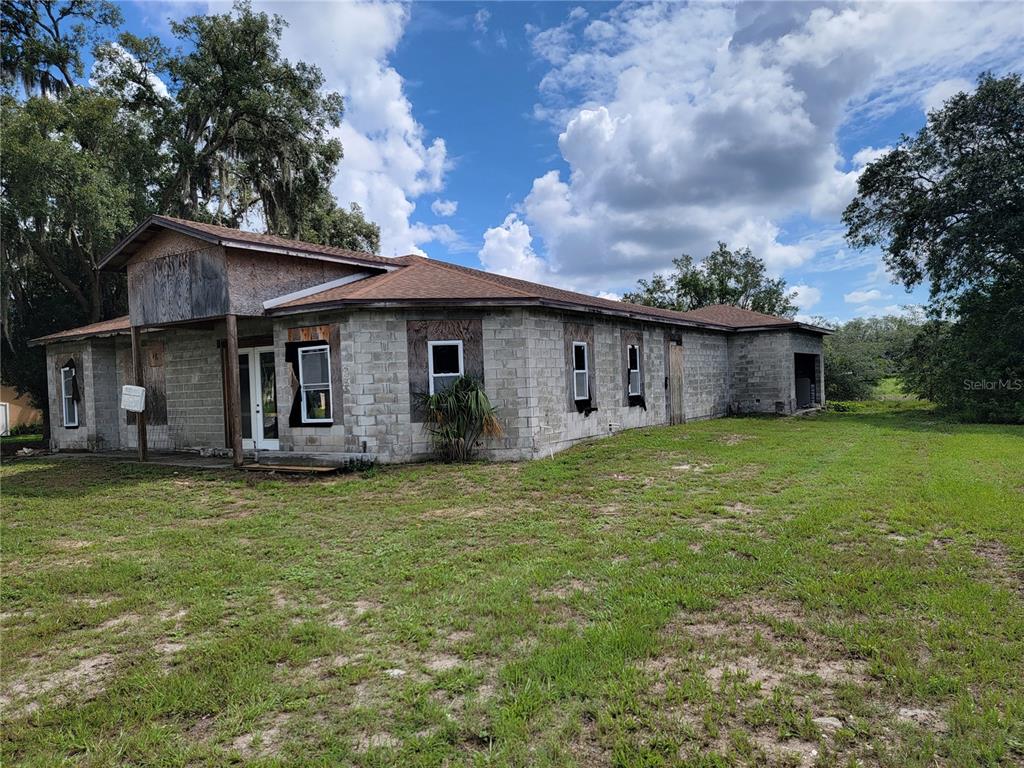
444	360
67	395
315	383
580	371
633	369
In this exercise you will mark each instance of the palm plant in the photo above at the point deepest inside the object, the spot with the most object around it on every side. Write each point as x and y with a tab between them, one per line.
457	416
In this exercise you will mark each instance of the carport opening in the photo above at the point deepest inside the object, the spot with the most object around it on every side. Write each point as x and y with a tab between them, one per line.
806	369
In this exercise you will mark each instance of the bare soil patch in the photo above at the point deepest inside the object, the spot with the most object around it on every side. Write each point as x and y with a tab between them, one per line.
734	439
997	555
762	655
88	677
262	742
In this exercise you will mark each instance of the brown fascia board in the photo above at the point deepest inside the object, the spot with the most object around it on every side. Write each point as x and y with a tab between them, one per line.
42	341
485	303
108	262
787	327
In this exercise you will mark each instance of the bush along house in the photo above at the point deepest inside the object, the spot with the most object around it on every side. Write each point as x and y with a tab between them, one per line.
254	343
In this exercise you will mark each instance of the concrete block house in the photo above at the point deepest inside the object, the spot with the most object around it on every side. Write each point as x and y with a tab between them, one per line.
258	344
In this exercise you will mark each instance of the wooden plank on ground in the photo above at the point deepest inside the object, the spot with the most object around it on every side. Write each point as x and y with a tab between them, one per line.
289	468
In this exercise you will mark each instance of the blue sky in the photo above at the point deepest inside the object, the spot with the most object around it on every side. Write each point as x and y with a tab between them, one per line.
586	145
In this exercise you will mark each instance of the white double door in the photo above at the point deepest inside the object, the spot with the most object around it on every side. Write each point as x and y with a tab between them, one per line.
257	385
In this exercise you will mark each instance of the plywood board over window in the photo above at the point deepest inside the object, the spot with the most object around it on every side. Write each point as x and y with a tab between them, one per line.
153	370
577	333
419	332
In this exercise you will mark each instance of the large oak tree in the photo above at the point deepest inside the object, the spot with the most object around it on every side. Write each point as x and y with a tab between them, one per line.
946	207
222	129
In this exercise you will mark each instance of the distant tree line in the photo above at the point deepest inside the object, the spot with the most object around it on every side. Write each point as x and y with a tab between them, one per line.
223	130
863	351
725	276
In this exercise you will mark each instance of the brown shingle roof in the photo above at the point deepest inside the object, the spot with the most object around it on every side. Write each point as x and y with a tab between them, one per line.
735	317
102	328
230	237
415	279
425	280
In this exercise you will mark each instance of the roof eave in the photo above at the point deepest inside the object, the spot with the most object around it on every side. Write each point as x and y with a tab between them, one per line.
506	302
784	327
111	261
42	341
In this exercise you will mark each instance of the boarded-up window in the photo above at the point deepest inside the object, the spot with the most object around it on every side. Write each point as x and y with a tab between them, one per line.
420	332
153	359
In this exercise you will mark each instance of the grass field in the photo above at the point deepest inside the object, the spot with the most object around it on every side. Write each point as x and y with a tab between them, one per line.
835	590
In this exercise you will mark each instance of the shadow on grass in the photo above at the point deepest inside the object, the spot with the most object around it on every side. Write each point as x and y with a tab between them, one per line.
916	418
70	478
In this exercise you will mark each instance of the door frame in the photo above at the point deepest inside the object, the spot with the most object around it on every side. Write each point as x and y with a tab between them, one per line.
675	374
258	442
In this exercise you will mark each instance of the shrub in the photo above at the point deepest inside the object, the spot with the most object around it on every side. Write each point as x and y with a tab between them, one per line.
457	416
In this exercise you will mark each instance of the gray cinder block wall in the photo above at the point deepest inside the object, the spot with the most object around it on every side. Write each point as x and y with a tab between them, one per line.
524	370
762	369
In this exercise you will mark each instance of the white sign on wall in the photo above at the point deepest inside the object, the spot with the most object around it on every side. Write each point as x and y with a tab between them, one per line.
133	398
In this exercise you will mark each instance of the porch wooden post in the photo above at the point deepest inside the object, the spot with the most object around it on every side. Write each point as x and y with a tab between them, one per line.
232	402
140	418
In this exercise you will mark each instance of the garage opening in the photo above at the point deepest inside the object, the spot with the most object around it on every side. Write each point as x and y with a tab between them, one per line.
807	371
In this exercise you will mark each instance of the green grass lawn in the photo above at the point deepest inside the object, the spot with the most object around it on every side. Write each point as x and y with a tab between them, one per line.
836	590
891	388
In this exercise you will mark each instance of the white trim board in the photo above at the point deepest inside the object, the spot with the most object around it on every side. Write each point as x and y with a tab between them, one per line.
303	293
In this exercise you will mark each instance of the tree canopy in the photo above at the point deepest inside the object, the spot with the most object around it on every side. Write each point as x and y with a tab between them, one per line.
861	352
946	206
724	277
223	129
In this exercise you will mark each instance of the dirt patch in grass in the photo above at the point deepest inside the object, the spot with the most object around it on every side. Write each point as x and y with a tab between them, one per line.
240	513
773	673
732	514
87	678
928	719
69	545
441	662
997	555
122	622
788	752
264	741
566	589
352	612
378	740
734	439
461	513
696	467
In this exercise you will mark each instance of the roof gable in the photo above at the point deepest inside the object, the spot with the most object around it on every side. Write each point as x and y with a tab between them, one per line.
121	253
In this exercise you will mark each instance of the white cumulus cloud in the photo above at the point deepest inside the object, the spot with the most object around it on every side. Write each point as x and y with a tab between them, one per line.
508	250
805	296
390	161
936	96
444	207
862	297
682	125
